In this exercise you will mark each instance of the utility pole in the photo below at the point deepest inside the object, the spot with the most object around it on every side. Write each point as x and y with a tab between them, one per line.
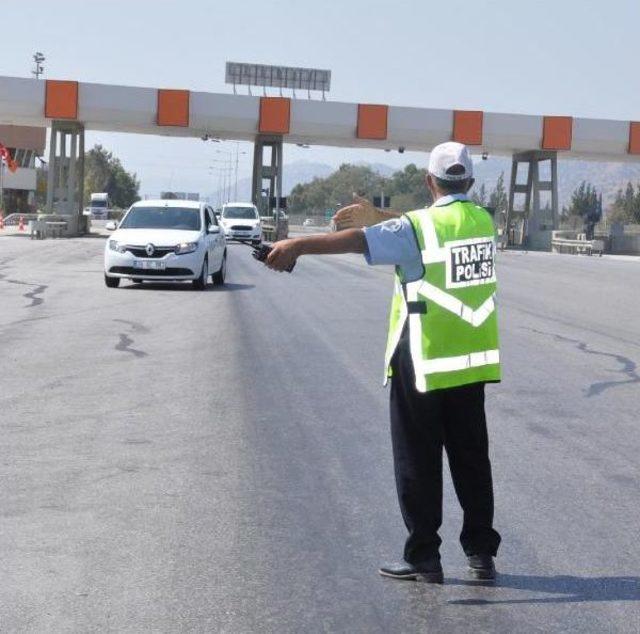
235	191
38	69
238	153
1	187
227	169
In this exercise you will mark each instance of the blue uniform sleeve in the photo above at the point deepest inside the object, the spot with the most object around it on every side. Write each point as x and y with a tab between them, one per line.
394	242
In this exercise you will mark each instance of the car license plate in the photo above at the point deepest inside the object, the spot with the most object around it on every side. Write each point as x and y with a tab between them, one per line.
156	265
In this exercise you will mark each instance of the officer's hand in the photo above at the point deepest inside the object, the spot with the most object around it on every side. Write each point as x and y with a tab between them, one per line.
360	214
283	255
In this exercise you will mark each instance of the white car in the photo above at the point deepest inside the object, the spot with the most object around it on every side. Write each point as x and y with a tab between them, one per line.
241	221
166	240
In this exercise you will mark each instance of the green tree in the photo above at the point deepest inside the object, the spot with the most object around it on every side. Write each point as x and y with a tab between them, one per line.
498	199
408	188
626	205
335	190
479	195
103	172
586	203
629	200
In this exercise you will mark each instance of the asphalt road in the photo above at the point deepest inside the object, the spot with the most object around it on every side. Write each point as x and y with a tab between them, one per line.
220	461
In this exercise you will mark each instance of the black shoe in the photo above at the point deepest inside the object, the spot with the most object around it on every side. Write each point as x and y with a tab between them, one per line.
481	567
427	572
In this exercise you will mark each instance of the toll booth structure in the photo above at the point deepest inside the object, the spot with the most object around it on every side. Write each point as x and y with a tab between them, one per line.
267	170
529	223
534	141
65	178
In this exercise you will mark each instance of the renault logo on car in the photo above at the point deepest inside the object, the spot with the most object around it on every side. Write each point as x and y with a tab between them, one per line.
150	249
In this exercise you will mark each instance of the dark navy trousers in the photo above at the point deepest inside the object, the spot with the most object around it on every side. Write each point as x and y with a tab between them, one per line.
421	426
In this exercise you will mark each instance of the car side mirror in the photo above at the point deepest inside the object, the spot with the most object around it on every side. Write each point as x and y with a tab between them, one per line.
213	229
111	225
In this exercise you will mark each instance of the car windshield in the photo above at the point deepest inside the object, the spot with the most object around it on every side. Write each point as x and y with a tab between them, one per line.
242	213
186	218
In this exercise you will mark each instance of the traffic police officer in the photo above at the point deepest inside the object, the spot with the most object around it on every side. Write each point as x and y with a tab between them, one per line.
442	348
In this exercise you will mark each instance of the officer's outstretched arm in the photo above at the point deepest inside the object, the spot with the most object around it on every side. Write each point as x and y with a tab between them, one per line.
286	252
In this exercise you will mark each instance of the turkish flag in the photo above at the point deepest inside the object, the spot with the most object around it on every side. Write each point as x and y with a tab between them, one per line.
6	155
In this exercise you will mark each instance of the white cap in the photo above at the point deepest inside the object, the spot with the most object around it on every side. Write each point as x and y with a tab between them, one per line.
444	156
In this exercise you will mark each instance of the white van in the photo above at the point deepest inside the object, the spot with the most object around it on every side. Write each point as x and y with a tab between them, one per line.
241	221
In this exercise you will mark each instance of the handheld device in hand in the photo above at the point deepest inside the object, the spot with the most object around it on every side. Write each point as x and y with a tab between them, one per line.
261	252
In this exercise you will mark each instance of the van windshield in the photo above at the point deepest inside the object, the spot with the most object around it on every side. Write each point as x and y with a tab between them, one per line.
242	213
99	204
185	218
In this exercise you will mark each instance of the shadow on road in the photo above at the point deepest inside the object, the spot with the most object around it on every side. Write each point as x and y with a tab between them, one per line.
628	367
570	589
185	286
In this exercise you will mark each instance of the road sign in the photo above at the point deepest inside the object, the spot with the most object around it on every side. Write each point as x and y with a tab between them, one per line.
240	74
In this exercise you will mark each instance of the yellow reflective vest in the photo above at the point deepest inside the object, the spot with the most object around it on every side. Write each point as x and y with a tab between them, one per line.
451	310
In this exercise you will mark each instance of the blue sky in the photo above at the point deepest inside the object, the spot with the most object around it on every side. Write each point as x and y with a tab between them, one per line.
552	57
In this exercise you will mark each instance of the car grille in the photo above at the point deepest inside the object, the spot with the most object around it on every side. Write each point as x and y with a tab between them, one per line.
240	228
159	252
168	272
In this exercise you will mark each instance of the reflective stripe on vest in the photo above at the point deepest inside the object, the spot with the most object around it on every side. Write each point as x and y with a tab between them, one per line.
398	332
463	362
432	251
474	317
415	334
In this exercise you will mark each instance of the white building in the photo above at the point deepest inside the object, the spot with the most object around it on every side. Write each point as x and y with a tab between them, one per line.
18	188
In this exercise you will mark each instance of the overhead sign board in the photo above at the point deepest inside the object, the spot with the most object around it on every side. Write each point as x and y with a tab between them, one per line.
240	74
180	196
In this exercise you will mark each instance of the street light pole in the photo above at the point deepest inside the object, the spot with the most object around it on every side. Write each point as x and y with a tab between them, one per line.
38	58
238	152
228	162
227	181
235	191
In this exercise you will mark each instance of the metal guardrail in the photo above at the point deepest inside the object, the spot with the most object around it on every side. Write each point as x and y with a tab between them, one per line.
14	219
562	244
41	228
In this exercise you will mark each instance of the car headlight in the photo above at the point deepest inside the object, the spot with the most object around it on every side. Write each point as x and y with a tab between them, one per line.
114	245
186	247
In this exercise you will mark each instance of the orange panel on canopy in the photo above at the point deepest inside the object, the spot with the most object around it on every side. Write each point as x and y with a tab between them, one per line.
173	108
61	99
557	133
372	121
275	115
467	126
634	137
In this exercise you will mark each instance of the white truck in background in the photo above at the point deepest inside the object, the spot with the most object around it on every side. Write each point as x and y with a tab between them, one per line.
99	206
